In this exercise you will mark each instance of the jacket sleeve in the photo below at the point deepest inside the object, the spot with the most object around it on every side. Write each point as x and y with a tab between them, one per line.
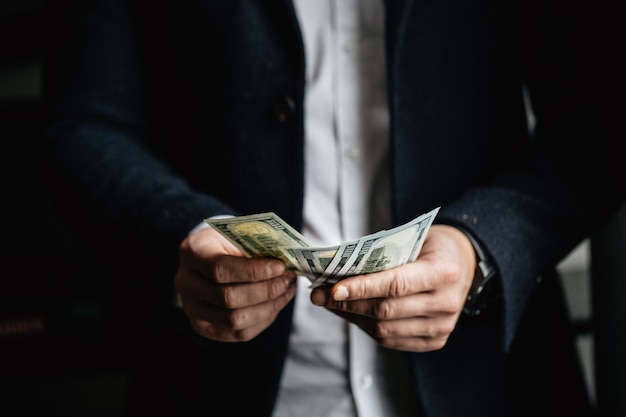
92	151
564	184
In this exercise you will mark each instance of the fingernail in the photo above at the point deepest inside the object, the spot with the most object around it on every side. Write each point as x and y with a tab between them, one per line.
341	293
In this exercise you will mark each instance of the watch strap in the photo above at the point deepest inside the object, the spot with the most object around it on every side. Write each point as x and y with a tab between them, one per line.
485	286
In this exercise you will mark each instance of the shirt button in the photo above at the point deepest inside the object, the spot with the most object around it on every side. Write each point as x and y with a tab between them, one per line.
284	108
366	381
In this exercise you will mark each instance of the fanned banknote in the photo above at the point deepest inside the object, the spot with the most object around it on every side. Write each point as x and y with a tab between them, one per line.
267	235
372	253
386	249
261	235
311	262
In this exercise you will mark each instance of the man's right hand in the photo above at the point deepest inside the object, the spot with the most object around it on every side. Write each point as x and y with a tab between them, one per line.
227	296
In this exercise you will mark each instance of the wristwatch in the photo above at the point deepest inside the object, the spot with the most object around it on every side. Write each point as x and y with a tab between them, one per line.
485	287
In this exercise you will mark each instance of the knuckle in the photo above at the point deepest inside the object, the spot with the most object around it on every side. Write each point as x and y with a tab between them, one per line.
230	297
217	269
450	271
244	335
238	319
275	288
358	288
450	305
444	273
384	309
255	273
399	285
429	332
441	330
279	303
203	329
456	303
381	331
447	328
437	343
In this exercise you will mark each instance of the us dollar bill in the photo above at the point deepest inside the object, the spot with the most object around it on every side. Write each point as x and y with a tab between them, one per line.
386	249
372	253
319	263
267	235
312	261
261	235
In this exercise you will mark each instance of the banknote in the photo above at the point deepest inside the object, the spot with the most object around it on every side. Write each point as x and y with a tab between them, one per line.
312	261
261	235
372	253
386	249
318	263
267	235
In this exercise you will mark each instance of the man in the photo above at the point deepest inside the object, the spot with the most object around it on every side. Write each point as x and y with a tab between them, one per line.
161	114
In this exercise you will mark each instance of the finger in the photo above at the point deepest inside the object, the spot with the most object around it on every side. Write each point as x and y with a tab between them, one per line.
395	282
417	305
220	289
234	269
211	255
226	269
415	344
244	295
207	250
415	277
391	283
206	244
233	296
418	334
240	318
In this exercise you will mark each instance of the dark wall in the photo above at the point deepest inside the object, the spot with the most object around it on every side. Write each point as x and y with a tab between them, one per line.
608	252
50	292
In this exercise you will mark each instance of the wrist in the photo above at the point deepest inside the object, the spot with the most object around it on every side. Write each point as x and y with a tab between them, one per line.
485	285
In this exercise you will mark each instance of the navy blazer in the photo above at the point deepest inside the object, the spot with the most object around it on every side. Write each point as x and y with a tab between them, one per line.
158	114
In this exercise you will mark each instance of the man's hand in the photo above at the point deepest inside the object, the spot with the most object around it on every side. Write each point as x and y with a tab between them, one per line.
227	296
414	307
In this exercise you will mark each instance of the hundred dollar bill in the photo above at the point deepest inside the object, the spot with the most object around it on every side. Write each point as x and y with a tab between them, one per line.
266	234
261	235
312	262
385	249
372	253
321	263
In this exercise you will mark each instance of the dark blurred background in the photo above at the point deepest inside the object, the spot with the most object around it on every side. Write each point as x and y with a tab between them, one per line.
57	354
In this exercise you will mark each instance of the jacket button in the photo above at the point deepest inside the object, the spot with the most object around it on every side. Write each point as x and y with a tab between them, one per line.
284	108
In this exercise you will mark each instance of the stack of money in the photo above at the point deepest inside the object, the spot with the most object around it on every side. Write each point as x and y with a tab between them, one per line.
267	235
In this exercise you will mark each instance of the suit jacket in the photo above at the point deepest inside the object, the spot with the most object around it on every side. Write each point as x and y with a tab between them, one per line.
160	113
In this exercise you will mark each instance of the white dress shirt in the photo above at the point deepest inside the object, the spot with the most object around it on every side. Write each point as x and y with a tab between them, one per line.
334	368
